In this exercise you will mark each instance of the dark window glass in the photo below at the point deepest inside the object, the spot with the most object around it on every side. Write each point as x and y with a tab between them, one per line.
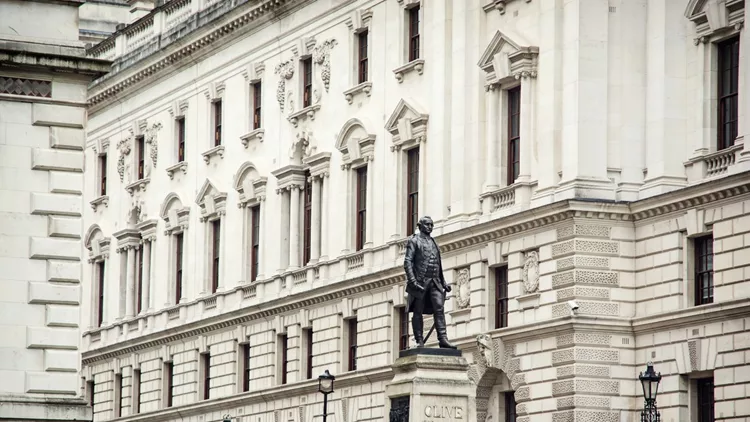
216	229
257	104
100	309
118	388
403	329
284	358
514	134
414	17
141	147
309	341
169	369
704	270
217	123
255	241
412	188
705	399
307	82
246	369
136	391
729	71
178	268
363	59
103	175
352	344
206	375
510	407
501	297
90	386
307	223
361	207
139	283
180	140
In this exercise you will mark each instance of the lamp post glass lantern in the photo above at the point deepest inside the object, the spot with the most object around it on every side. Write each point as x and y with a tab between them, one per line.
325	386
650	382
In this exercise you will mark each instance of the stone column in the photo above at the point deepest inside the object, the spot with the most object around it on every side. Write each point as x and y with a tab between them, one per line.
185	273
744	106
130	280
294	194
492	169
222	250
324	218
702	102
369	204
151	286
315	223
526	125
106	315
261	237
146	284
422	178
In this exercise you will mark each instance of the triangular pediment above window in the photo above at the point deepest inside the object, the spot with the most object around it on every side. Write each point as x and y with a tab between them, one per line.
408	123
713	16
212	202
507	56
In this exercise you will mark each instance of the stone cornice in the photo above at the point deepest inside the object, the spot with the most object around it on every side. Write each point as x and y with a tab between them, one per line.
62	59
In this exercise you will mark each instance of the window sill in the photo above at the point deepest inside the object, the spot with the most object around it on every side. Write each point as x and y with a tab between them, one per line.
255	134
217	150
350	93
102	200
137	186
528	301
306	113
414	65
182	165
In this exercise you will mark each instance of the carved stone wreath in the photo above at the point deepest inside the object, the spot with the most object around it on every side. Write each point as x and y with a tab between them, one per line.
463	290
531	272
285	70
151	140
124	147
322	55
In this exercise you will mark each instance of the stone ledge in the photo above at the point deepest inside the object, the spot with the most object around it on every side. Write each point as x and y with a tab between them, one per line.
215	151
102	200
306	113
182	165
414	65
46	409
138	185
350	93
255	134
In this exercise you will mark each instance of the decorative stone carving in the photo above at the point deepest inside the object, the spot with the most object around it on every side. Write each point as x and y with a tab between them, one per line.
463	289
151	140
531	272
124	148
322	56
285	70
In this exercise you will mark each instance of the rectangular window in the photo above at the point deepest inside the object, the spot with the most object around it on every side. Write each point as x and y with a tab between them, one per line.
178	267
414	17
103	174
501	297
510	406
100	306
309	351
90	393
257	104
362	53
216	237
705	387
412	188
139	282
704	270
307	223
180	140
352	325
307	74
136	391
118	395
255	242
403	328
169	377
514	134
283	345
206	363
140	146
246	367
729	76
217	123
361	207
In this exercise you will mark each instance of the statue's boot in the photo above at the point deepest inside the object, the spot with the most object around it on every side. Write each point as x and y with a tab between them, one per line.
417	325
442	332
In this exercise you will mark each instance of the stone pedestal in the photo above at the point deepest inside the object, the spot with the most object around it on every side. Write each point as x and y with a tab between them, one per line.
434	384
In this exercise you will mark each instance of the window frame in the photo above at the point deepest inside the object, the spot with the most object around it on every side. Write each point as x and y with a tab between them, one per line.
139	281
413	20
257	105
246	367
501	296
363	47
284	344
403	328
169	377
180	123
703	252
101	271
309	352
412	195
217	111
140	146
254	241
307	220
206	363
727	50
307	81
352	344
513	144
510	406
215	254
179	246
136	391
118	395
102	174
705	407
361	175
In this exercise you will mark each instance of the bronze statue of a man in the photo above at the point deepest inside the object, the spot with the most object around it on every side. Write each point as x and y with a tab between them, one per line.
425	284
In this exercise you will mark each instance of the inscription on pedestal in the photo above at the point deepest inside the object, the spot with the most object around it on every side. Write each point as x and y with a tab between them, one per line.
443	409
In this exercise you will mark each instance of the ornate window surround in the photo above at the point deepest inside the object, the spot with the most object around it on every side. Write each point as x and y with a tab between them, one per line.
408	127
253	73
414	65
100	148
176	218
714	22
178	111
127	148
303	50
128	243
252	192
214	92
212	204
499	5
98	247
359	21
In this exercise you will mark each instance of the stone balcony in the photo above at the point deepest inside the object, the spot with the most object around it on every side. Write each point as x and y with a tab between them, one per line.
709	166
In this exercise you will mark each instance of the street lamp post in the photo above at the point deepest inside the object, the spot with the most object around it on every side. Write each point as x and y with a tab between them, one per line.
325	386
650	383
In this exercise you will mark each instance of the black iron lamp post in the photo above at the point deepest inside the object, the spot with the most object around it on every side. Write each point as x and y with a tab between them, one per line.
325	386
650	383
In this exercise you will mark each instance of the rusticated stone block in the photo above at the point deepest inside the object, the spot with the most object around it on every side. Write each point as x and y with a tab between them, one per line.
64	271
60	361
57	115
62	316
51	338
49	159
56	204
46	293
66	138
54	383
65	182
64	227
46	247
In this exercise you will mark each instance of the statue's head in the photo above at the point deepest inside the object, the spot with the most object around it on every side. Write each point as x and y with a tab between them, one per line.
425	225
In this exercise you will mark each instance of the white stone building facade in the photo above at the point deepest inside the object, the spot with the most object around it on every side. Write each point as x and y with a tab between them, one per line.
253	169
